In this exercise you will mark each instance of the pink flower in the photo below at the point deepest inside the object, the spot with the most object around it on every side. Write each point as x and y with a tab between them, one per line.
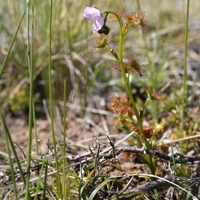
93	14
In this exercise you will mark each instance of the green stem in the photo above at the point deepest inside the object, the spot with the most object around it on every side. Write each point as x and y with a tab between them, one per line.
12	42
45	179
145	104
12	146
51	99
30	65
187	2
6	133
64	191
122	69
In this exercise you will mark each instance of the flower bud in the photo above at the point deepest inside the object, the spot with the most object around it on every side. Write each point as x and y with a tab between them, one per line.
102	44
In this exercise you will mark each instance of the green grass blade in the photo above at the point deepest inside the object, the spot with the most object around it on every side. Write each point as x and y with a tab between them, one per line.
45	181
8	136
40	178
10	156
30	36
12	42
92	196
65	190
58	184
35	131
184	96
31	72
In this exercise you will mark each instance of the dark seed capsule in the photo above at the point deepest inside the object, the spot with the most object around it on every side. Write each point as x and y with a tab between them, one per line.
105	30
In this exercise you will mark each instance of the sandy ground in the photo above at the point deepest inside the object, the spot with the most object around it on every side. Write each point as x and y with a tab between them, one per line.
81	132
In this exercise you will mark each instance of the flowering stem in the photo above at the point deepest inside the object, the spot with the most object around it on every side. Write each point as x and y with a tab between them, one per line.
122	69
119	58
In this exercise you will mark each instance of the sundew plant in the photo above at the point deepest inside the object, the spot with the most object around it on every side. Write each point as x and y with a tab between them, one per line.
126	107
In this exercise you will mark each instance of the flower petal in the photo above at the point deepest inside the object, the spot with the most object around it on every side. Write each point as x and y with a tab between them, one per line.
98	24
94	14
91	13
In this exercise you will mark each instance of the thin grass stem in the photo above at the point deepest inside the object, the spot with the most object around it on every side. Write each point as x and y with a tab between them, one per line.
7	134
45	179
30	66
51	100
184	96
12	42
32	59
40	178
10	159
64	191
35	131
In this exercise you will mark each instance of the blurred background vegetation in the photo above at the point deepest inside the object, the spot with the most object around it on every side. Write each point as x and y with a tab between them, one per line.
86	70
